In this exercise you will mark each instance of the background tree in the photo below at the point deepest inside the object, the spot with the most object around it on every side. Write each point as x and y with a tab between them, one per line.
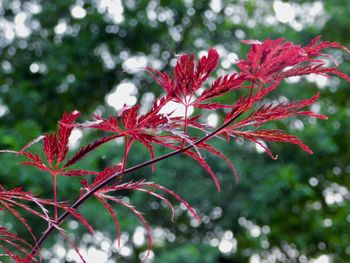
58	56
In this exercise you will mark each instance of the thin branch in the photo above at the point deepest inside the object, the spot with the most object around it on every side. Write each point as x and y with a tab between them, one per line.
90	193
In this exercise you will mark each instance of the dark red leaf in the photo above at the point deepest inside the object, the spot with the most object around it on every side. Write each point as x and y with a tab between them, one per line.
77	172
137	213
129	117
273	59
153	119
163	80
184	74
66	125
110	210
50	147
272	135
105	174
222	85
206	65
282	110
109	125
15	247
82	152
35	160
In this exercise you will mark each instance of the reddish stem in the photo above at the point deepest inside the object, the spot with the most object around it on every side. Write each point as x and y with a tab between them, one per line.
126	145
55	194
185	126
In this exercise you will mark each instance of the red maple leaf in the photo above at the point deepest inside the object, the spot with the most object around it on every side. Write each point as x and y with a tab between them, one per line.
276	59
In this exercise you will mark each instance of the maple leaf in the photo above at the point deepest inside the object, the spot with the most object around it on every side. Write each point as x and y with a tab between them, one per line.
222	85
271	135
269	112
184	76
129	121
83	151
313	69
55	147
65	129
206	65
266	65
102	176
132	127
129	118
50	147
195	155
77	172
10	243
35	160
155	120
187	79
11	201
275	59
122	202
266	113
315	48
109	125
269	57
103	195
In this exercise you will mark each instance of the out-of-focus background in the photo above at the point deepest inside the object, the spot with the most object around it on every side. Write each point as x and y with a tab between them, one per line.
58	56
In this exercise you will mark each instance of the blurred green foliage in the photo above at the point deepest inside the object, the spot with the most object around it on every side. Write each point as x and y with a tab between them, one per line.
294	209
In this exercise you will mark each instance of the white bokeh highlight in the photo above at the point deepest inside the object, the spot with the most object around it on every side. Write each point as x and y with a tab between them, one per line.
78	12
123	94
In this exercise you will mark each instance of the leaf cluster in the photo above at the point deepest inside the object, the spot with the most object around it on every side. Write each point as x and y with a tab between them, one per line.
267	64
